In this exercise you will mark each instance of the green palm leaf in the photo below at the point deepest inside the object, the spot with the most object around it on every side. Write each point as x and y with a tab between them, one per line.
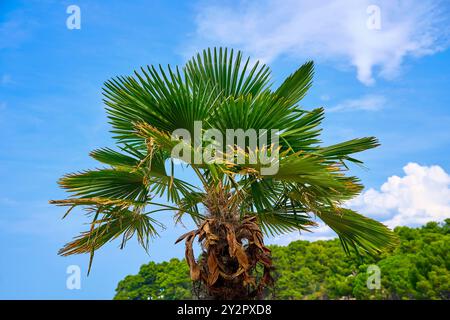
295	87
106	183
358	232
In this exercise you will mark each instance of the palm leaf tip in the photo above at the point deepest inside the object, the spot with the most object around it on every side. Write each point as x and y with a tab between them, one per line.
113	223
343	150
295	87
113	158
358	232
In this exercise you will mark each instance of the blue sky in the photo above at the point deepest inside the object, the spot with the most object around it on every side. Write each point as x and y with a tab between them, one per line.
391	83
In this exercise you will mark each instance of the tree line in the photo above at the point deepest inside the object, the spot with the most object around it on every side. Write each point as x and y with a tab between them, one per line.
419	268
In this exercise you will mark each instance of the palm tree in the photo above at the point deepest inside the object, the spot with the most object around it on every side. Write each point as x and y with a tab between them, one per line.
233	204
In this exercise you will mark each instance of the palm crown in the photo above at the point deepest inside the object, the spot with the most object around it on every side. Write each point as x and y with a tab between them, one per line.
223	91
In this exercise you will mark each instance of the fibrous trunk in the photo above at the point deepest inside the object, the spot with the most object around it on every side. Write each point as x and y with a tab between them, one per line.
232	252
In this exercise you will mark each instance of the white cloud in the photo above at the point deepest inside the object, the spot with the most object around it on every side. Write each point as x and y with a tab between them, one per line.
366	103
421	195
333	30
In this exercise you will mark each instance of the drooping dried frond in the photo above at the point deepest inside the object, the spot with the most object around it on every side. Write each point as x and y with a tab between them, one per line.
227	267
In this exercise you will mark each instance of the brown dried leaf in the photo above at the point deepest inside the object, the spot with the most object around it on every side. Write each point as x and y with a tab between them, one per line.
265	260
241	257
266	278
195	272
231	276
248	279
231	238
213	268
184	236
257	241
207	233
194	268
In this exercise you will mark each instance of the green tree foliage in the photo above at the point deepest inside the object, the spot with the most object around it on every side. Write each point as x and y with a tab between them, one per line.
157	281
418	269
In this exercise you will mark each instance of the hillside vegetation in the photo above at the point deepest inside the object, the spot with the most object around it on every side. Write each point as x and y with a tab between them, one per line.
418	269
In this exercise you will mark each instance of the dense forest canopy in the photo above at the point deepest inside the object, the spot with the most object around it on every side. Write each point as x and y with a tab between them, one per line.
418	269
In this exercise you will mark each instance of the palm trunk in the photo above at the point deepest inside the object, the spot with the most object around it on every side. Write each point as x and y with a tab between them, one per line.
232	250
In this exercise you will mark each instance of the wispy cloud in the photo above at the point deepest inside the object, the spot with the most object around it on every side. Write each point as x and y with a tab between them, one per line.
16	27
331	30
365	103
11	34
5	79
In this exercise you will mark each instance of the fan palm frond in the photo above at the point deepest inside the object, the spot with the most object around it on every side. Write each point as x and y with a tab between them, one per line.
225	92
